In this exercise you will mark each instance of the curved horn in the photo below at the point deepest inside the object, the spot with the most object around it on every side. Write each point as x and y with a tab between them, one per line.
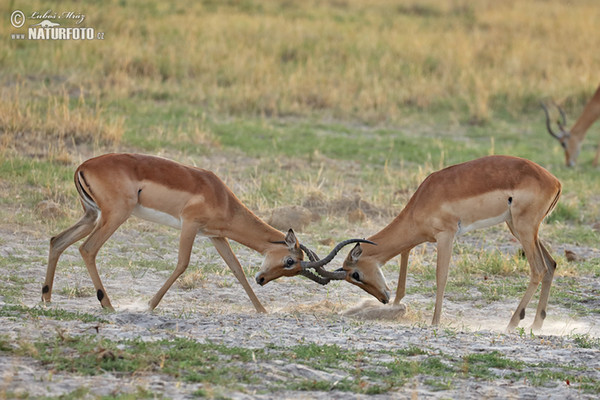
564	118
324	276
330	256
560	125
312	256
337	275
313	277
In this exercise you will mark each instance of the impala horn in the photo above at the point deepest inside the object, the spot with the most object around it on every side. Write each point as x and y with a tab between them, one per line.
562	124
313	257
564	134
318	264
321	280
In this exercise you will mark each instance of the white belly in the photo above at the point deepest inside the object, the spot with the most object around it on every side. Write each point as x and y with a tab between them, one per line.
159	217
483	223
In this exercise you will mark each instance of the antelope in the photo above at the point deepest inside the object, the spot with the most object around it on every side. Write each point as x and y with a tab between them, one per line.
459	199
453	201
571	140
112	187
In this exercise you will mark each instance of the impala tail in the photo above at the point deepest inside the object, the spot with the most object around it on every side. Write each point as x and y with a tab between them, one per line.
84	190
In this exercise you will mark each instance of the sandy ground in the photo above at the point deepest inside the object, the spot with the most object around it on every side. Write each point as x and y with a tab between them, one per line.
299	312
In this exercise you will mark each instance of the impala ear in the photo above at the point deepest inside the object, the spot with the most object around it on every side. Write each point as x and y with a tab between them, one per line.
355	253
291	241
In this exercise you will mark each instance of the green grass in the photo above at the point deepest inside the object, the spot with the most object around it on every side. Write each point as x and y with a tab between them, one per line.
216	366
581	235
16	311
589	267
12	287
480	365
576	296
586	341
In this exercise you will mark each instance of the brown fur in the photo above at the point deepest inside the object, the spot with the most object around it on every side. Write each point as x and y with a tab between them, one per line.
463	197
114	186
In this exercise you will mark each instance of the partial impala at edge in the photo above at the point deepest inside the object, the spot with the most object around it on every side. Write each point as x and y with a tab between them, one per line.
571	140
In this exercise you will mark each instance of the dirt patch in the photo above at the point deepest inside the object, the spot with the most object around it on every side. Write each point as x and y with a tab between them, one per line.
218	311
372	310
49	209
294	217
347	204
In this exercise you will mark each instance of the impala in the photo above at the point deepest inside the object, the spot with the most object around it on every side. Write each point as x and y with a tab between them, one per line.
113	187
571	140
459	199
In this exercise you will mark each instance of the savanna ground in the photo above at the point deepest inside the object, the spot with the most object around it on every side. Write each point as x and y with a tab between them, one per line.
342	107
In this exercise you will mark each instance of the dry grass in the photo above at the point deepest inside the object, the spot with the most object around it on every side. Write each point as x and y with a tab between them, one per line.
32	127
192	280
371	61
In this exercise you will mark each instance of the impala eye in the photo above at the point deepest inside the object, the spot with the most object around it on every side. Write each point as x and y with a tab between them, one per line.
289	262
356	276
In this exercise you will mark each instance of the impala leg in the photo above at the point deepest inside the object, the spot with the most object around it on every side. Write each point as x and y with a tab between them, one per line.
537	270
108	224
519	314
61	242
546	284
401	290
186	242
222	246
444	252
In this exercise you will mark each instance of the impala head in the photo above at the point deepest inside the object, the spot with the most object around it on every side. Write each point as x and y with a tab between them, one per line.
570	144
364	272
288	261
284	259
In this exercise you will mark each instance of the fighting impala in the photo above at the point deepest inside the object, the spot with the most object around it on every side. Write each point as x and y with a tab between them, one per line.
113	187
459	199
455	200
571	140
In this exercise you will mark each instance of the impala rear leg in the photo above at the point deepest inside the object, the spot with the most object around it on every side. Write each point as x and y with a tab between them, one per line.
537	267
222	246
60	242
546	284
401	290
108	224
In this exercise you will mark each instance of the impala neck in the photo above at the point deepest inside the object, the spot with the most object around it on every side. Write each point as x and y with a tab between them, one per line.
591	112
247	229
401	235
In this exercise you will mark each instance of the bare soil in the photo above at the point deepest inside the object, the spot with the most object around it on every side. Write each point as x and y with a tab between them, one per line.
217	310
